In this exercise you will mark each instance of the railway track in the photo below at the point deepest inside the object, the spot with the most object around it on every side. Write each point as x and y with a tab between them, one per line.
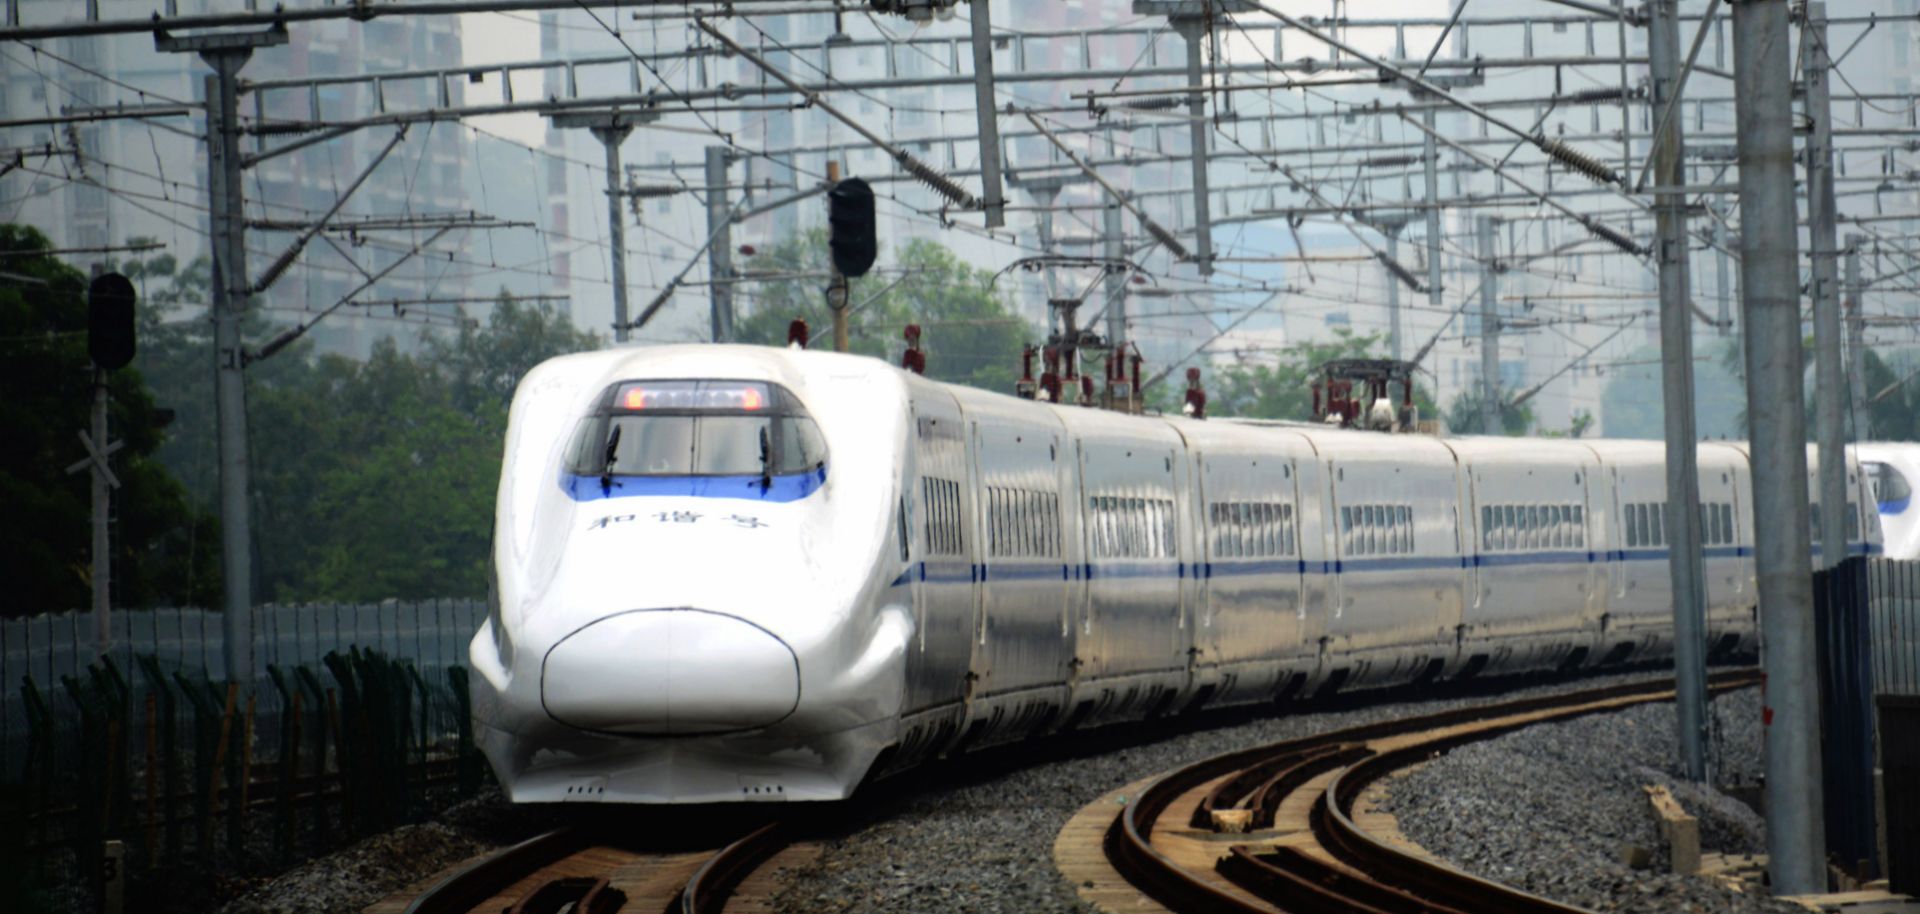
1283	827
596	870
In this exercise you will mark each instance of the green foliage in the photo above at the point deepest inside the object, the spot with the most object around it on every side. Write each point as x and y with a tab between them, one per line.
164	551
1633	399
970	336
1283	389
371	480
1895	416
1463	414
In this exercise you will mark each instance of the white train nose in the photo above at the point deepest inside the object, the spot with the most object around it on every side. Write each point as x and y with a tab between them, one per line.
670	671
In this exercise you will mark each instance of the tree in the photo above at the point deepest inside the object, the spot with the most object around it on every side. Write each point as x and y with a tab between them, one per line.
1463	415
970	336
370	480
376	479
1895	416
164	550
1633	401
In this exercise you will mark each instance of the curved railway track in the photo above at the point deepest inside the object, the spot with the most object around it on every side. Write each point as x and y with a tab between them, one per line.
1275	828
592	870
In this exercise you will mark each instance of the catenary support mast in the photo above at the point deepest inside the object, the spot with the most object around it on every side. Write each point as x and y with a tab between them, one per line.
1490	423
1671	251
226	53
720	253
1777	434
1829	411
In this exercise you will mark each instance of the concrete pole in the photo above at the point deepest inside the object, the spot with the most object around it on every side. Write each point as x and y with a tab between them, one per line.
1483	233
1116	282
1829	404
227	219
1777	435
1393	296
1044	195
720	252
1430	160
610	137
1191	28
102	555
1676	360
992	198
1723	262
1857	345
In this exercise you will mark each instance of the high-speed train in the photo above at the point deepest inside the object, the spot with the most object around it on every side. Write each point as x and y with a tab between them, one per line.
1889	468
731	573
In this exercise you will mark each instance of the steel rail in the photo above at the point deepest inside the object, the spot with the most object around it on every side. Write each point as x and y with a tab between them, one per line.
1262	776
706	891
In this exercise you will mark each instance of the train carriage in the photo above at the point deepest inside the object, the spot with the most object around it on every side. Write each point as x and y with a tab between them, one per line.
732	573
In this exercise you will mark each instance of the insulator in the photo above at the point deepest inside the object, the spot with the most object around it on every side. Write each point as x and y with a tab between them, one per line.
1389	161
1614	237
940	183
1590	95
1396	268
1577	160
1160	103
651	191
1167	240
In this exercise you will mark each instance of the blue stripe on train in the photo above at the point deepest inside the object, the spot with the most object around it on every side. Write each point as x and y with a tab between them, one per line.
791	487
958	573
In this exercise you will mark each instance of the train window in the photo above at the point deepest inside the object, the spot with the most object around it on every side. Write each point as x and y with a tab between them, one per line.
697	428
1579	528
1726	523
1556	533
1029	523
942	501
1286	528
903	529
1888	485
1511	527
1486	527
1853	522
1168	537
1346	529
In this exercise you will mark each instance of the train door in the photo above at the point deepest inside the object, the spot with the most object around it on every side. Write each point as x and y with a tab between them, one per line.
1018	640
939	569
1206	635
1336	548
1595	573
1289	536
1617	565
1472	588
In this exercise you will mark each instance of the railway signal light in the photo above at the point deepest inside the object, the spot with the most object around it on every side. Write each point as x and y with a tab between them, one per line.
851	229
110	321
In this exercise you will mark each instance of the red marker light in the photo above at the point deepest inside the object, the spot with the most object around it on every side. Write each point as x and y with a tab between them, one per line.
636	398
750	398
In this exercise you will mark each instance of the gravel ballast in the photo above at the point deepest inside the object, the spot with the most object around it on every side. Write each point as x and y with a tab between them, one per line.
1547	809
976	834
1551	809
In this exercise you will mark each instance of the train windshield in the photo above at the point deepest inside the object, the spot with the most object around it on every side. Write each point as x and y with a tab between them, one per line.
1889	486
697	428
